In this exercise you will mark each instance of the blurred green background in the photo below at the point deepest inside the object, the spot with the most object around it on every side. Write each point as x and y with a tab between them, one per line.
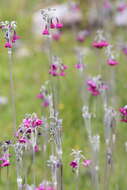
31	71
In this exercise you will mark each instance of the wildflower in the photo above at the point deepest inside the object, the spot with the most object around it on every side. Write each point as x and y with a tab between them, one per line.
51	21
9	28
86	163
100	44
57	68
15	37
59	25
100	41
123	112
5	163
111	56
52	25
8	45
74	164
96	86
112	62
45	31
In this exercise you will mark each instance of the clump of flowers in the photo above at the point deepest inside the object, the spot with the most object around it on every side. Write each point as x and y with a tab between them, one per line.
100	40
57	68
27	132
51	21
96	85
9	28
123	112
78	159
111	56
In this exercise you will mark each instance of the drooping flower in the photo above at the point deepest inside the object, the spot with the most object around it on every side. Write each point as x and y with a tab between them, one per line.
100	41
9	28
57	68
74	164
96	85
8	45
112	62
111	56
123	111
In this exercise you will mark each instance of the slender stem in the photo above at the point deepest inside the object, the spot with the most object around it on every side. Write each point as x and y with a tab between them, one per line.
12	90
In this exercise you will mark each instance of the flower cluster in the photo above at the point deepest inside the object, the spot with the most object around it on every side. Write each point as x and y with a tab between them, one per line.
9	28
57	68
51	21
78	157
27	132
123	112
96	85
100	41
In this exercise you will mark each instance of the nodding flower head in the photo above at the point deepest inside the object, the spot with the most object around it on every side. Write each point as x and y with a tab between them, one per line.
50	20
5	163
9	28
112	62
100	41
74	164
45	31
96	85
52	25
123	112
15	37
57	68
100	44
8	45
59	25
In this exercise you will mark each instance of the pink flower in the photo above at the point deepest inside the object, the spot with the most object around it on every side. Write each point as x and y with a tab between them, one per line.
100	44
5	163
36	148
45	31
52	25
45	103
15	37
40	96
58	24
38	122
112	62
86	163
79	66
93	88
22	140
8	45
123	112
74	164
